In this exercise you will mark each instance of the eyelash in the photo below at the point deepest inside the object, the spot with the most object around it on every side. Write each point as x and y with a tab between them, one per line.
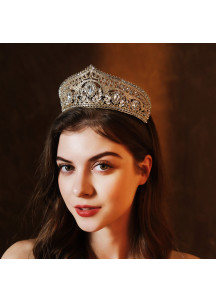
62	166
106	163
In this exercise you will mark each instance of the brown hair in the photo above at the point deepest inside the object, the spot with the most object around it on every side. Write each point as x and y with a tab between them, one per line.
57	234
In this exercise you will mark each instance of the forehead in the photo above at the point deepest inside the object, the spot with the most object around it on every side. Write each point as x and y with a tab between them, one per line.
87	143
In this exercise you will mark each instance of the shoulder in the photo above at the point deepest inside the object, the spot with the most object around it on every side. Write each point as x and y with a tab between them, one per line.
20	250
180	255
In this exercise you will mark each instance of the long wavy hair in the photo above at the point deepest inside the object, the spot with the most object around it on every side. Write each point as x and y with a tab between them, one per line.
57	234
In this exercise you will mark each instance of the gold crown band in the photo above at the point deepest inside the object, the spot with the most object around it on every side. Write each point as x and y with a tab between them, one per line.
93	88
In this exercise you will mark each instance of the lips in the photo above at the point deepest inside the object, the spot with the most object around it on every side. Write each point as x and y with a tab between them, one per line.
86	210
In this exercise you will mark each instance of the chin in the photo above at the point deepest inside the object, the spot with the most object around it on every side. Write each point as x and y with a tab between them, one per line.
89	227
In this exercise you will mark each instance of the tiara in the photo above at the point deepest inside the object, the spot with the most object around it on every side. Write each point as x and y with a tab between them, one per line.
93	88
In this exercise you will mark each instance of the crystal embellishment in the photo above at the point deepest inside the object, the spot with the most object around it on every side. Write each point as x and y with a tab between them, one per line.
122	102
69	96
90	89
116	98
107	99
135	104
96	89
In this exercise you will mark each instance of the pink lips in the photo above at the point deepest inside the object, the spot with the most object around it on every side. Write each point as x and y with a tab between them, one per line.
86	210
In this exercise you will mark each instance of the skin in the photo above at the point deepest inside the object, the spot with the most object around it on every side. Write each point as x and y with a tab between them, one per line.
108	181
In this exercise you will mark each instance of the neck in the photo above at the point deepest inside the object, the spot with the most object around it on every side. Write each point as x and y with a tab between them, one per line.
111	242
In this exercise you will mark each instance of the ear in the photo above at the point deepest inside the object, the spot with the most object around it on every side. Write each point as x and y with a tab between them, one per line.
145	169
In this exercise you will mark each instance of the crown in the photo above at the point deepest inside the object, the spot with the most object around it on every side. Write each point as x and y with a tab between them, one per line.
93	88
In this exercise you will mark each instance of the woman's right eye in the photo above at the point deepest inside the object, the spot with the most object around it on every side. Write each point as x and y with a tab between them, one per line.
66	168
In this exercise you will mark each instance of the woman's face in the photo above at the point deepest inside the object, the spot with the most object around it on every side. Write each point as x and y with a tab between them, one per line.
97	178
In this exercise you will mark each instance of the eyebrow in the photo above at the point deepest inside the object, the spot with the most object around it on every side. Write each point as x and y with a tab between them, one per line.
92	158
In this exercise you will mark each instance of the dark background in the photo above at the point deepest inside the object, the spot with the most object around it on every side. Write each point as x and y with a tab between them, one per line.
180	79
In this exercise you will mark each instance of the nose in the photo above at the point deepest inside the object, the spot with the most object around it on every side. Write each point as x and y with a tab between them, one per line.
82	186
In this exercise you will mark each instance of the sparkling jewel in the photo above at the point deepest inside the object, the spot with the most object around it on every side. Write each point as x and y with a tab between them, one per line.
90	89
135	104
122	102
107	99
69	96
116	98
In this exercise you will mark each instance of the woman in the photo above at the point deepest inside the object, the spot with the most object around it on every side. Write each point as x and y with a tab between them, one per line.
101	177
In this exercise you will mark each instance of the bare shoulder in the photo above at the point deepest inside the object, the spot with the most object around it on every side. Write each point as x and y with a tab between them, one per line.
179	255
20	250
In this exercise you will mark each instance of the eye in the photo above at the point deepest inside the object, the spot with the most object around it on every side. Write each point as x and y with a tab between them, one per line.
66	168
102	166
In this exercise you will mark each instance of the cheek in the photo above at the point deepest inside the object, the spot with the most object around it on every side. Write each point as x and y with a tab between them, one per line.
119	190
64	187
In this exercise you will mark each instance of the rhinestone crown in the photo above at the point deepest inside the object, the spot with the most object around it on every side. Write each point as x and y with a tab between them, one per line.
93	88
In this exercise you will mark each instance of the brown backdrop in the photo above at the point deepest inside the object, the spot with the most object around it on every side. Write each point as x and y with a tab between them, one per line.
180	78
